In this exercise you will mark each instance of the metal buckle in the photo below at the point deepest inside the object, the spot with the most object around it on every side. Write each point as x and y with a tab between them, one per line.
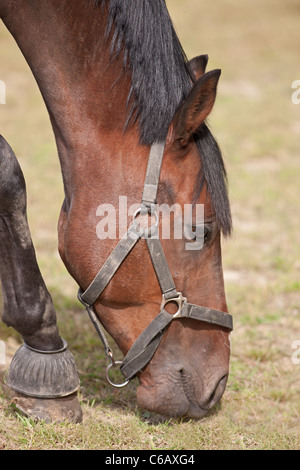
178	300
146	232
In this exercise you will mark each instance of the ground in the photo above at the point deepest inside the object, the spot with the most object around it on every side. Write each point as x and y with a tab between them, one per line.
256	44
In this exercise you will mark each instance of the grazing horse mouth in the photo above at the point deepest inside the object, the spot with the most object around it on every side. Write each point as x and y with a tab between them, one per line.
180	397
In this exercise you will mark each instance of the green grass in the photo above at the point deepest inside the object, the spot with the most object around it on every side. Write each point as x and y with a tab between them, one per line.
256	44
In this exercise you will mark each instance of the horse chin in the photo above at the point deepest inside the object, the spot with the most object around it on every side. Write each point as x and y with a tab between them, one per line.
179	397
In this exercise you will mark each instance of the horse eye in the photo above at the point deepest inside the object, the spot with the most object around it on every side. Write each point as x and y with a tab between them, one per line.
208	231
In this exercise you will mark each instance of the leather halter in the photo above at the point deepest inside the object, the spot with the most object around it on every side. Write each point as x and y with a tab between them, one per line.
146	344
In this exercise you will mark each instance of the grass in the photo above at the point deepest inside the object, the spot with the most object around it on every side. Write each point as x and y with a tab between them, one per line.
256	46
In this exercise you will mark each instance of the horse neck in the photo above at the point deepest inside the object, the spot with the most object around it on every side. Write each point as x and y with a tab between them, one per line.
84	91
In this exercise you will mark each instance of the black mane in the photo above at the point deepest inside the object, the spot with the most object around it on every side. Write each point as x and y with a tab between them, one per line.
161	79
160	76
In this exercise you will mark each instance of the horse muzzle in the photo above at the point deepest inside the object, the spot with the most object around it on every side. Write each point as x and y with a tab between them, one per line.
179	395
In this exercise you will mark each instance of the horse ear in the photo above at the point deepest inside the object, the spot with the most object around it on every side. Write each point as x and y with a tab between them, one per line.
196	107
198	65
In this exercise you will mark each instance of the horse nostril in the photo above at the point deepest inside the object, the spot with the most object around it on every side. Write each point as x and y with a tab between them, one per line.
217	392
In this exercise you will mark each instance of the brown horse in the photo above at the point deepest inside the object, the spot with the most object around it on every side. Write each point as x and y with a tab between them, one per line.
115	81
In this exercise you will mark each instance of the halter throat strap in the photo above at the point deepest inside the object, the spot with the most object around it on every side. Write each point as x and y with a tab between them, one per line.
146	344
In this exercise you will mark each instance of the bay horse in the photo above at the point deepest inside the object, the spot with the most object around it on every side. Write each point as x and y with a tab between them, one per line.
121	95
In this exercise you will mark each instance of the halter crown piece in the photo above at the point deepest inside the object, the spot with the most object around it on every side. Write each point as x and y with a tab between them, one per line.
146	344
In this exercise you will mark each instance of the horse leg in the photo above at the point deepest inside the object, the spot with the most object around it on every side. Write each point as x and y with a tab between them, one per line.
42	377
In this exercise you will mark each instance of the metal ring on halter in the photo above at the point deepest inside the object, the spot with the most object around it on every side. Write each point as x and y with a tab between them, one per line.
179	300
143	210
112	364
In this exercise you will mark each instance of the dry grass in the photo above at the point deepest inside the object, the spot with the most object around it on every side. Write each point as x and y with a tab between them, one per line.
256	45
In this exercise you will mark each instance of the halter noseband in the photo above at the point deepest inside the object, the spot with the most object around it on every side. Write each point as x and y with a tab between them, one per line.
146	344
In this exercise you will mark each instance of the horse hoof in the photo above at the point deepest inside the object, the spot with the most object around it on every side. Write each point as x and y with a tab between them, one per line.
43	385
50	410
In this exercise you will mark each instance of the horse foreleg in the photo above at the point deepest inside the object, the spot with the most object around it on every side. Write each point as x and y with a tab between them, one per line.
42	369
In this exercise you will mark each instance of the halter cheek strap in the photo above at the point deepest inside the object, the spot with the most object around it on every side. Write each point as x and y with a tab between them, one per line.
146	344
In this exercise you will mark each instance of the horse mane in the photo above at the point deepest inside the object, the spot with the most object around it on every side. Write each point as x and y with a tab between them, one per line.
160	79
